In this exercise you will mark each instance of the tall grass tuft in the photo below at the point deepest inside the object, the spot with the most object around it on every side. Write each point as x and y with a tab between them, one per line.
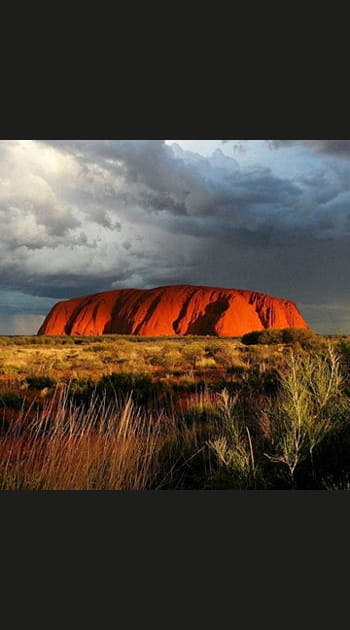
96	448
308	408
233	446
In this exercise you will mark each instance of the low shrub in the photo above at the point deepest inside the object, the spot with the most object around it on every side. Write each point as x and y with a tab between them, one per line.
143	389
308	339
309	409
263	382
343	347
40	382
12	400
268	336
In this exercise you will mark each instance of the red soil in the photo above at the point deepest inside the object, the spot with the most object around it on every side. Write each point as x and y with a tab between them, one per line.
172	310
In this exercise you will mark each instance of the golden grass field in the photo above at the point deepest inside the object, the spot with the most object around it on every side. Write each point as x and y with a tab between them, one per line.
133	413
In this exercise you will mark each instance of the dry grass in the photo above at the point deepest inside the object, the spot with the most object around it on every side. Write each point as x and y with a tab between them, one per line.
201	436
102	447
85	358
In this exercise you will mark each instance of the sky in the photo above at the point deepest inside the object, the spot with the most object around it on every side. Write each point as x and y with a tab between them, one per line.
82	216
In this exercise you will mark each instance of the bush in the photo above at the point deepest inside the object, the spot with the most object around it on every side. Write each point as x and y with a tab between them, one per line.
265	382
308	410
143	389
307	338
11	400
268	336
40	382
343	347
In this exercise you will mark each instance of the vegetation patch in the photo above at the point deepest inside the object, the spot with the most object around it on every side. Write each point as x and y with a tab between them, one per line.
307	338
270	411
40	382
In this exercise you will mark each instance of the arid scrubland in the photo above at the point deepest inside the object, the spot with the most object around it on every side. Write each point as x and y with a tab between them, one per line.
266	411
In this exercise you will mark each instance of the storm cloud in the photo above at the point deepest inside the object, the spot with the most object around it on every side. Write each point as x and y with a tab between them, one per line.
331	147
78	217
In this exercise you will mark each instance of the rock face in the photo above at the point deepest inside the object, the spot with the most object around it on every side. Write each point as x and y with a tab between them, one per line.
172	310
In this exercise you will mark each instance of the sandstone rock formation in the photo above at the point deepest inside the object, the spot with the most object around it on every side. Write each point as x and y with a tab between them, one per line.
171	310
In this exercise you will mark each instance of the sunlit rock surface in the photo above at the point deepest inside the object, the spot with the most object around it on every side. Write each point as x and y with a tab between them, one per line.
172	310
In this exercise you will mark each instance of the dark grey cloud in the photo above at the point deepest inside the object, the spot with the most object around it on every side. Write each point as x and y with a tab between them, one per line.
339	148
159	177
154	178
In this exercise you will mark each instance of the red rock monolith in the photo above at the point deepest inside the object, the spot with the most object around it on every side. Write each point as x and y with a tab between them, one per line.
171	310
